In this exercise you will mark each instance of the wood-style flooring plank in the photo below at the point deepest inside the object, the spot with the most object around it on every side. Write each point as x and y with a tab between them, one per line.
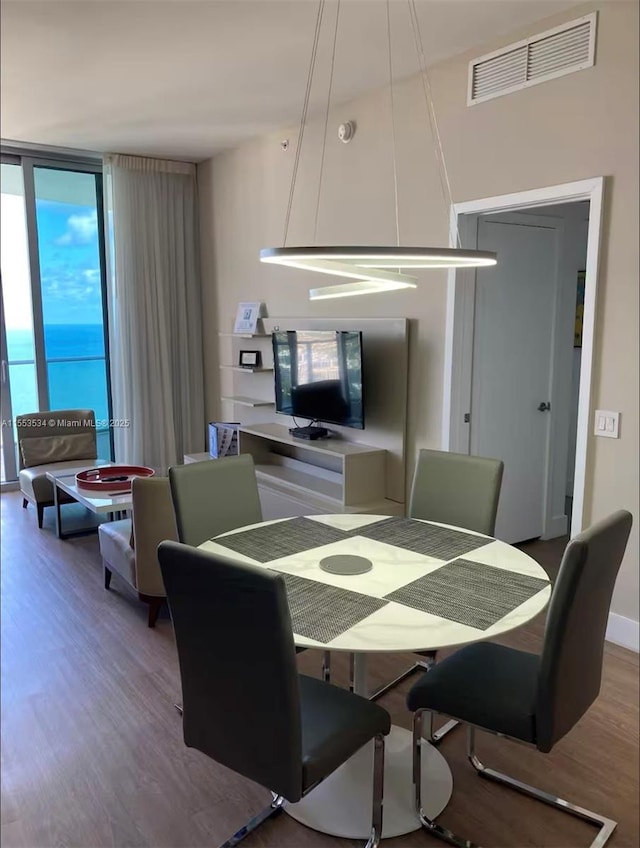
92	749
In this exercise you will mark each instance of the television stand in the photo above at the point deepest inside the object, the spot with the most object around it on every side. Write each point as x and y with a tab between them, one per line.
302	477
311	433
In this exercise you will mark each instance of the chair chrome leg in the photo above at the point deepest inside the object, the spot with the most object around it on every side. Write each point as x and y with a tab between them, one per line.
326	666
438	735
606	826
425	664
429	824
378	789
256	821
435	736
422	665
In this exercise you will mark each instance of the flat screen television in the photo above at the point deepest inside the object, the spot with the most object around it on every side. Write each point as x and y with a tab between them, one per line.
318	376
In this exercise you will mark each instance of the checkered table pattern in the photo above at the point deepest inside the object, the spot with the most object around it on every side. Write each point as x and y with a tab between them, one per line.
430	585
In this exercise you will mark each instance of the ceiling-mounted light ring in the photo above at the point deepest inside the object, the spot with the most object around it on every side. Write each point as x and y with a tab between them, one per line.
370	256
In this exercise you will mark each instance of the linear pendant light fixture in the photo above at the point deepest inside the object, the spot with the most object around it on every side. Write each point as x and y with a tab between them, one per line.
372	269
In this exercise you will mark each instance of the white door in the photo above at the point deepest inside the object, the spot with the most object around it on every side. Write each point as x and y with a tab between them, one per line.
512	364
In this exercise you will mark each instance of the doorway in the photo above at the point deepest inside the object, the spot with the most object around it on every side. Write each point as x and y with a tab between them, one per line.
520	348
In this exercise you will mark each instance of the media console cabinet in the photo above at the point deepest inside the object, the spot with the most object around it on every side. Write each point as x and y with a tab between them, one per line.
299	477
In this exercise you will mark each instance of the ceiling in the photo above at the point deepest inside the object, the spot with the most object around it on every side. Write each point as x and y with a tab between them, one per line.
187	79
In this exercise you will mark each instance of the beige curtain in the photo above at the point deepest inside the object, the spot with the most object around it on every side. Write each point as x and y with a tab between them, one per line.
155	312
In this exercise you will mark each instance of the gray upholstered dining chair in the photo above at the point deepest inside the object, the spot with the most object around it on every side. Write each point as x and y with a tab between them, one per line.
458	489
238	671
214	496
525	697
130	546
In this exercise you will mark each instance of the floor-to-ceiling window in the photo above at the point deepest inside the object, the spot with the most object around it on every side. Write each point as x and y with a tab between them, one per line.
54	345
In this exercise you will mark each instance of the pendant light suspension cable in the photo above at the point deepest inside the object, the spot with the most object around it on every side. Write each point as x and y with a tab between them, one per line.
326	121
433	121
393	128
303	117
371	269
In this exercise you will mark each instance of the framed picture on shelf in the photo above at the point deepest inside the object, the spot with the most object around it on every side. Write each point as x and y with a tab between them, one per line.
247	317
250	359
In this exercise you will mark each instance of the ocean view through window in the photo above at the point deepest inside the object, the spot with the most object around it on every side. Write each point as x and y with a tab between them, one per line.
76	370
54	302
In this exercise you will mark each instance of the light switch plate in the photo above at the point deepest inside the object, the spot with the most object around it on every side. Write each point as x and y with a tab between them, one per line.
607	423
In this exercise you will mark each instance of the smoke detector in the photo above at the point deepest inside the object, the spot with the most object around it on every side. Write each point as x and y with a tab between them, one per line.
346	131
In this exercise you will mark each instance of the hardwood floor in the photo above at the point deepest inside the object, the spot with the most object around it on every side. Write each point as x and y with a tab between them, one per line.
92	750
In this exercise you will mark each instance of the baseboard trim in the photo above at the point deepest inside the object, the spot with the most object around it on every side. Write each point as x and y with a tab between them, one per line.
623	631
12	486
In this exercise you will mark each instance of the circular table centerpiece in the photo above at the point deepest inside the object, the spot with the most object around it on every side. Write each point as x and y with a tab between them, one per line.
346	564
111	479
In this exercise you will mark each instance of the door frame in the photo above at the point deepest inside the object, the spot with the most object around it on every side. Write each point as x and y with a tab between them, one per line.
460	317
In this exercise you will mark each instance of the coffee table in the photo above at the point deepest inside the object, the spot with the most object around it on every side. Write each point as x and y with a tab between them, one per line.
430	586
65	481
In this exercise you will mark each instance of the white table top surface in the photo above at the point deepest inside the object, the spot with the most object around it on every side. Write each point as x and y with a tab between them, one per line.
396	626
66	480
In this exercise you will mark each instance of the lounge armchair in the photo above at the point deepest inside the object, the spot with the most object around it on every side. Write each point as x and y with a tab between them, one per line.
53	441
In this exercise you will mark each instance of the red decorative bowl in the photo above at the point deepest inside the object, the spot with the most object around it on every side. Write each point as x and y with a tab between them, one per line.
111	479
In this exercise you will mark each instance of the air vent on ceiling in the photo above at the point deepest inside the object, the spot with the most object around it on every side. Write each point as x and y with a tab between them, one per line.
545	56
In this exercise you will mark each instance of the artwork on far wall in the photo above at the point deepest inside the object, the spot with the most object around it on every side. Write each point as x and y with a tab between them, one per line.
247	318
577	331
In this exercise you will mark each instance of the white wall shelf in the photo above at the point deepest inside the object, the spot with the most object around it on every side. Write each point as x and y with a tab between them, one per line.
188	458
233	389
241	400
245	369
245	335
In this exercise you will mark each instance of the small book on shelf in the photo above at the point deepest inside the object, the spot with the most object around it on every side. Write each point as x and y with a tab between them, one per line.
223	438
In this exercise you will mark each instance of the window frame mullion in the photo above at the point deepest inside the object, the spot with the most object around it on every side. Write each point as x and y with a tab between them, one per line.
42	378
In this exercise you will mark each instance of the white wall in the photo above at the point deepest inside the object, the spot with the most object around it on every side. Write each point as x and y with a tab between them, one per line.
578	126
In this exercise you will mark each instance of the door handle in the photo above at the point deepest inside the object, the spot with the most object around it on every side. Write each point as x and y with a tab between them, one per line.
544	407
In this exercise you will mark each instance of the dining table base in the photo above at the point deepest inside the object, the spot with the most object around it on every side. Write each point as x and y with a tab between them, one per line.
341	804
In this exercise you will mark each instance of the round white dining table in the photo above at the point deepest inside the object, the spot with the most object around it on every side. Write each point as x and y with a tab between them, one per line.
430	586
